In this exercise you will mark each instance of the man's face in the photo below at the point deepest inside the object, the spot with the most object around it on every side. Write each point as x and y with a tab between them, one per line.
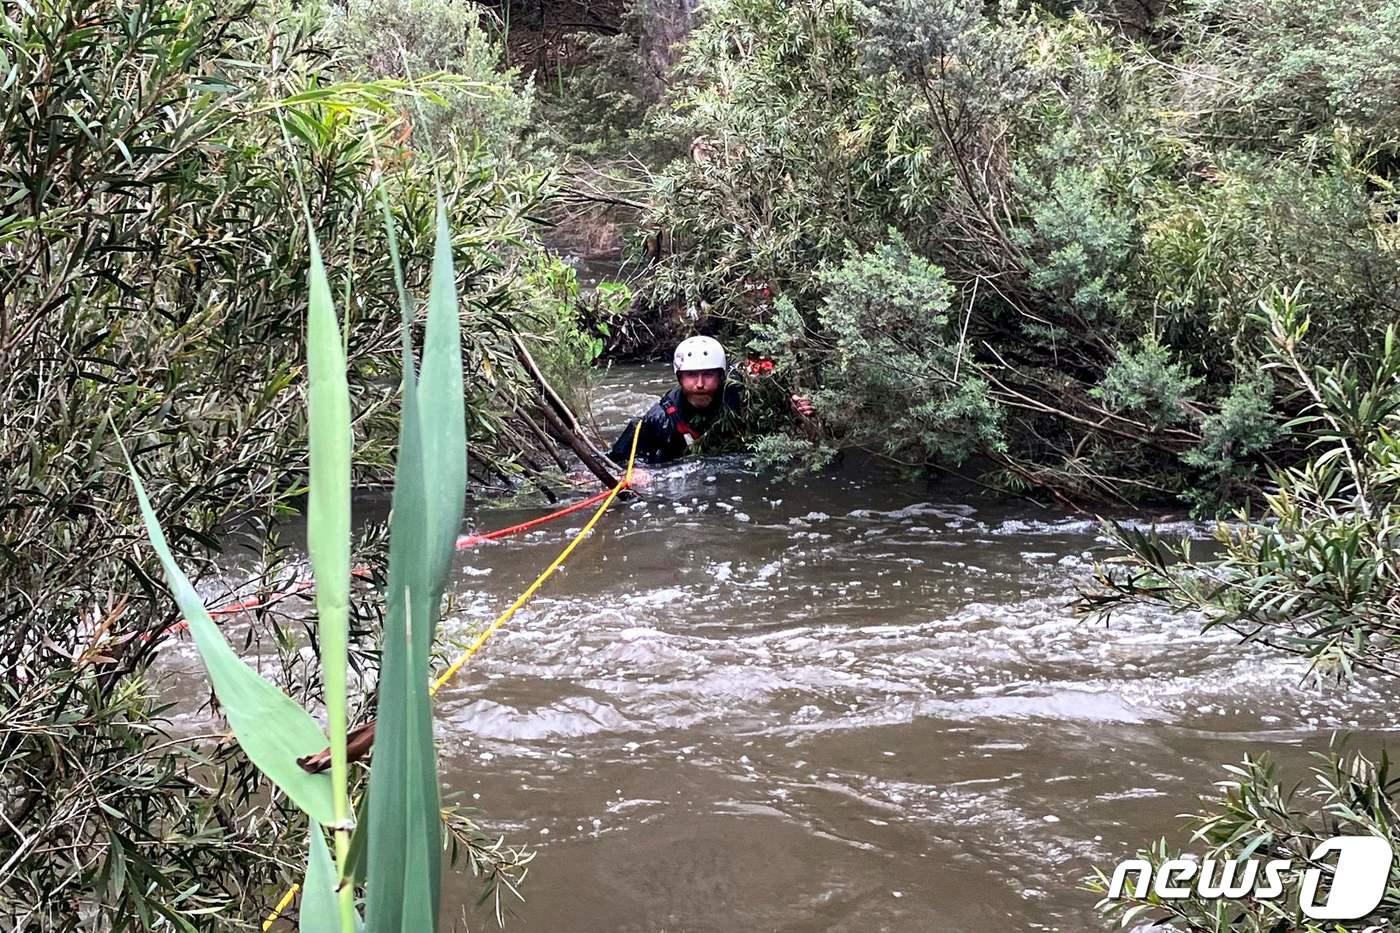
701	386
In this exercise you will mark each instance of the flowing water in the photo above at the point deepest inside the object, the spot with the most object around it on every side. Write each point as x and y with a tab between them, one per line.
846	703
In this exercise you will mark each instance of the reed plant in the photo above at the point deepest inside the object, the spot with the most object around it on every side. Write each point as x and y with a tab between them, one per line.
401	871
154	273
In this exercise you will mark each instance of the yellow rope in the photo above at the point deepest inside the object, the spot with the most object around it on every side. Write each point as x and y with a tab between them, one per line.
530	591
282	905
502	619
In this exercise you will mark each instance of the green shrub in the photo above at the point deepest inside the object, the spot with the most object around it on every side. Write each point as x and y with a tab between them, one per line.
568	334
1317	579
890	371
1079	245
492	109
1216	246
135	289
770	95
1146	381
1232	439
791	455
1279	71
598	108
154	278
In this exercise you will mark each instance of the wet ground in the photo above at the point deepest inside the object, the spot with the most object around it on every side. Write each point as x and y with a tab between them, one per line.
842	703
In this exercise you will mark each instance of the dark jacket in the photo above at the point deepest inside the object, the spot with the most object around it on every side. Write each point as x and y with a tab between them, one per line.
671	426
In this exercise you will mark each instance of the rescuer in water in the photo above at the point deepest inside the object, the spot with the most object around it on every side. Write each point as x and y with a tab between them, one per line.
704	402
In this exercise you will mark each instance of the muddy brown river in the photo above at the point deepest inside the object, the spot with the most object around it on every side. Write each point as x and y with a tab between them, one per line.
845	703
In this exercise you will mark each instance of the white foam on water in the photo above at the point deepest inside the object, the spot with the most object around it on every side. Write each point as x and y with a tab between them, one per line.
918	509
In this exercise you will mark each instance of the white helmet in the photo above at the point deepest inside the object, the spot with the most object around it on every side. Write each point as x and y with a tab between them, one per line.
695	353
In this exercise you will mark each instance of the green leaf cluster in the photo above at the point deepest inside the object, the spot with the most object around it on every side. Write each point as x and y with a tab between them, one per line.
1078	186
1316	575
403	813
885	358
1146	380
1254	814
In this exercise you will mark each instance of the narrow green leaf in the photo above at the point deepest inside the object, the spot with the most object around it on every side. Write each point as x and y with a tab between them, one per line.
319	912
328	510
441	409
353	870
405	300
116	861
272	729
404	862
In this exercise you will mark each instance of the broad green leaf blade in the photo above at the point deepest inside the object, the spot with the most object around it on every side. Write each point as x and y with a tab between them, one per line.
441	409
404	862
403	800
319	912
272	729
328	510
419	909
388	787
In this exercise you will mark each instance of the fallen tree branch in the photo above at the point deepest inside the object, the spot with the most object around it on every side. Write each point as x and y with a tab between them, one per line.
561	421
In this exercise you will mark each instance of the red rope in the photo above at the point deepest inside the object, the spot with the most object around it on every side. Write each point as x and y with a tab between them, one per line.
467	541
464	542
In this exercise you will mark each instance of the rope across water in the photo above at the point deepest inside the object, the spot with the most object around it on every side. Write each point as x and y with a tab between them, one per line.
304	584
504	617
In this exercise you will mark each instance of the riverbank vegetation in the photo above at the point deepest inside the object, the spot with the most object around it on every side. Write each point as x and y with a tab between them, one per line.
1024	241
154	282
400	803
1315	577
1099	202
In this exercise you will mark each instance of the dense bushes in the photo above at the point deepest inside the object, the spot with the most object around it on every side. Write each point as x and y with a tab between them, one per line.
1276	72
1317	577
153	263
1107	214
490	107
891	351
134	294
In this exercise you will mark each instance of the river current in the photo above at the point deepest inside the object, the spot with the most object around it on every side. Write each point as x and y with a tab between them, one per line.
843	703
